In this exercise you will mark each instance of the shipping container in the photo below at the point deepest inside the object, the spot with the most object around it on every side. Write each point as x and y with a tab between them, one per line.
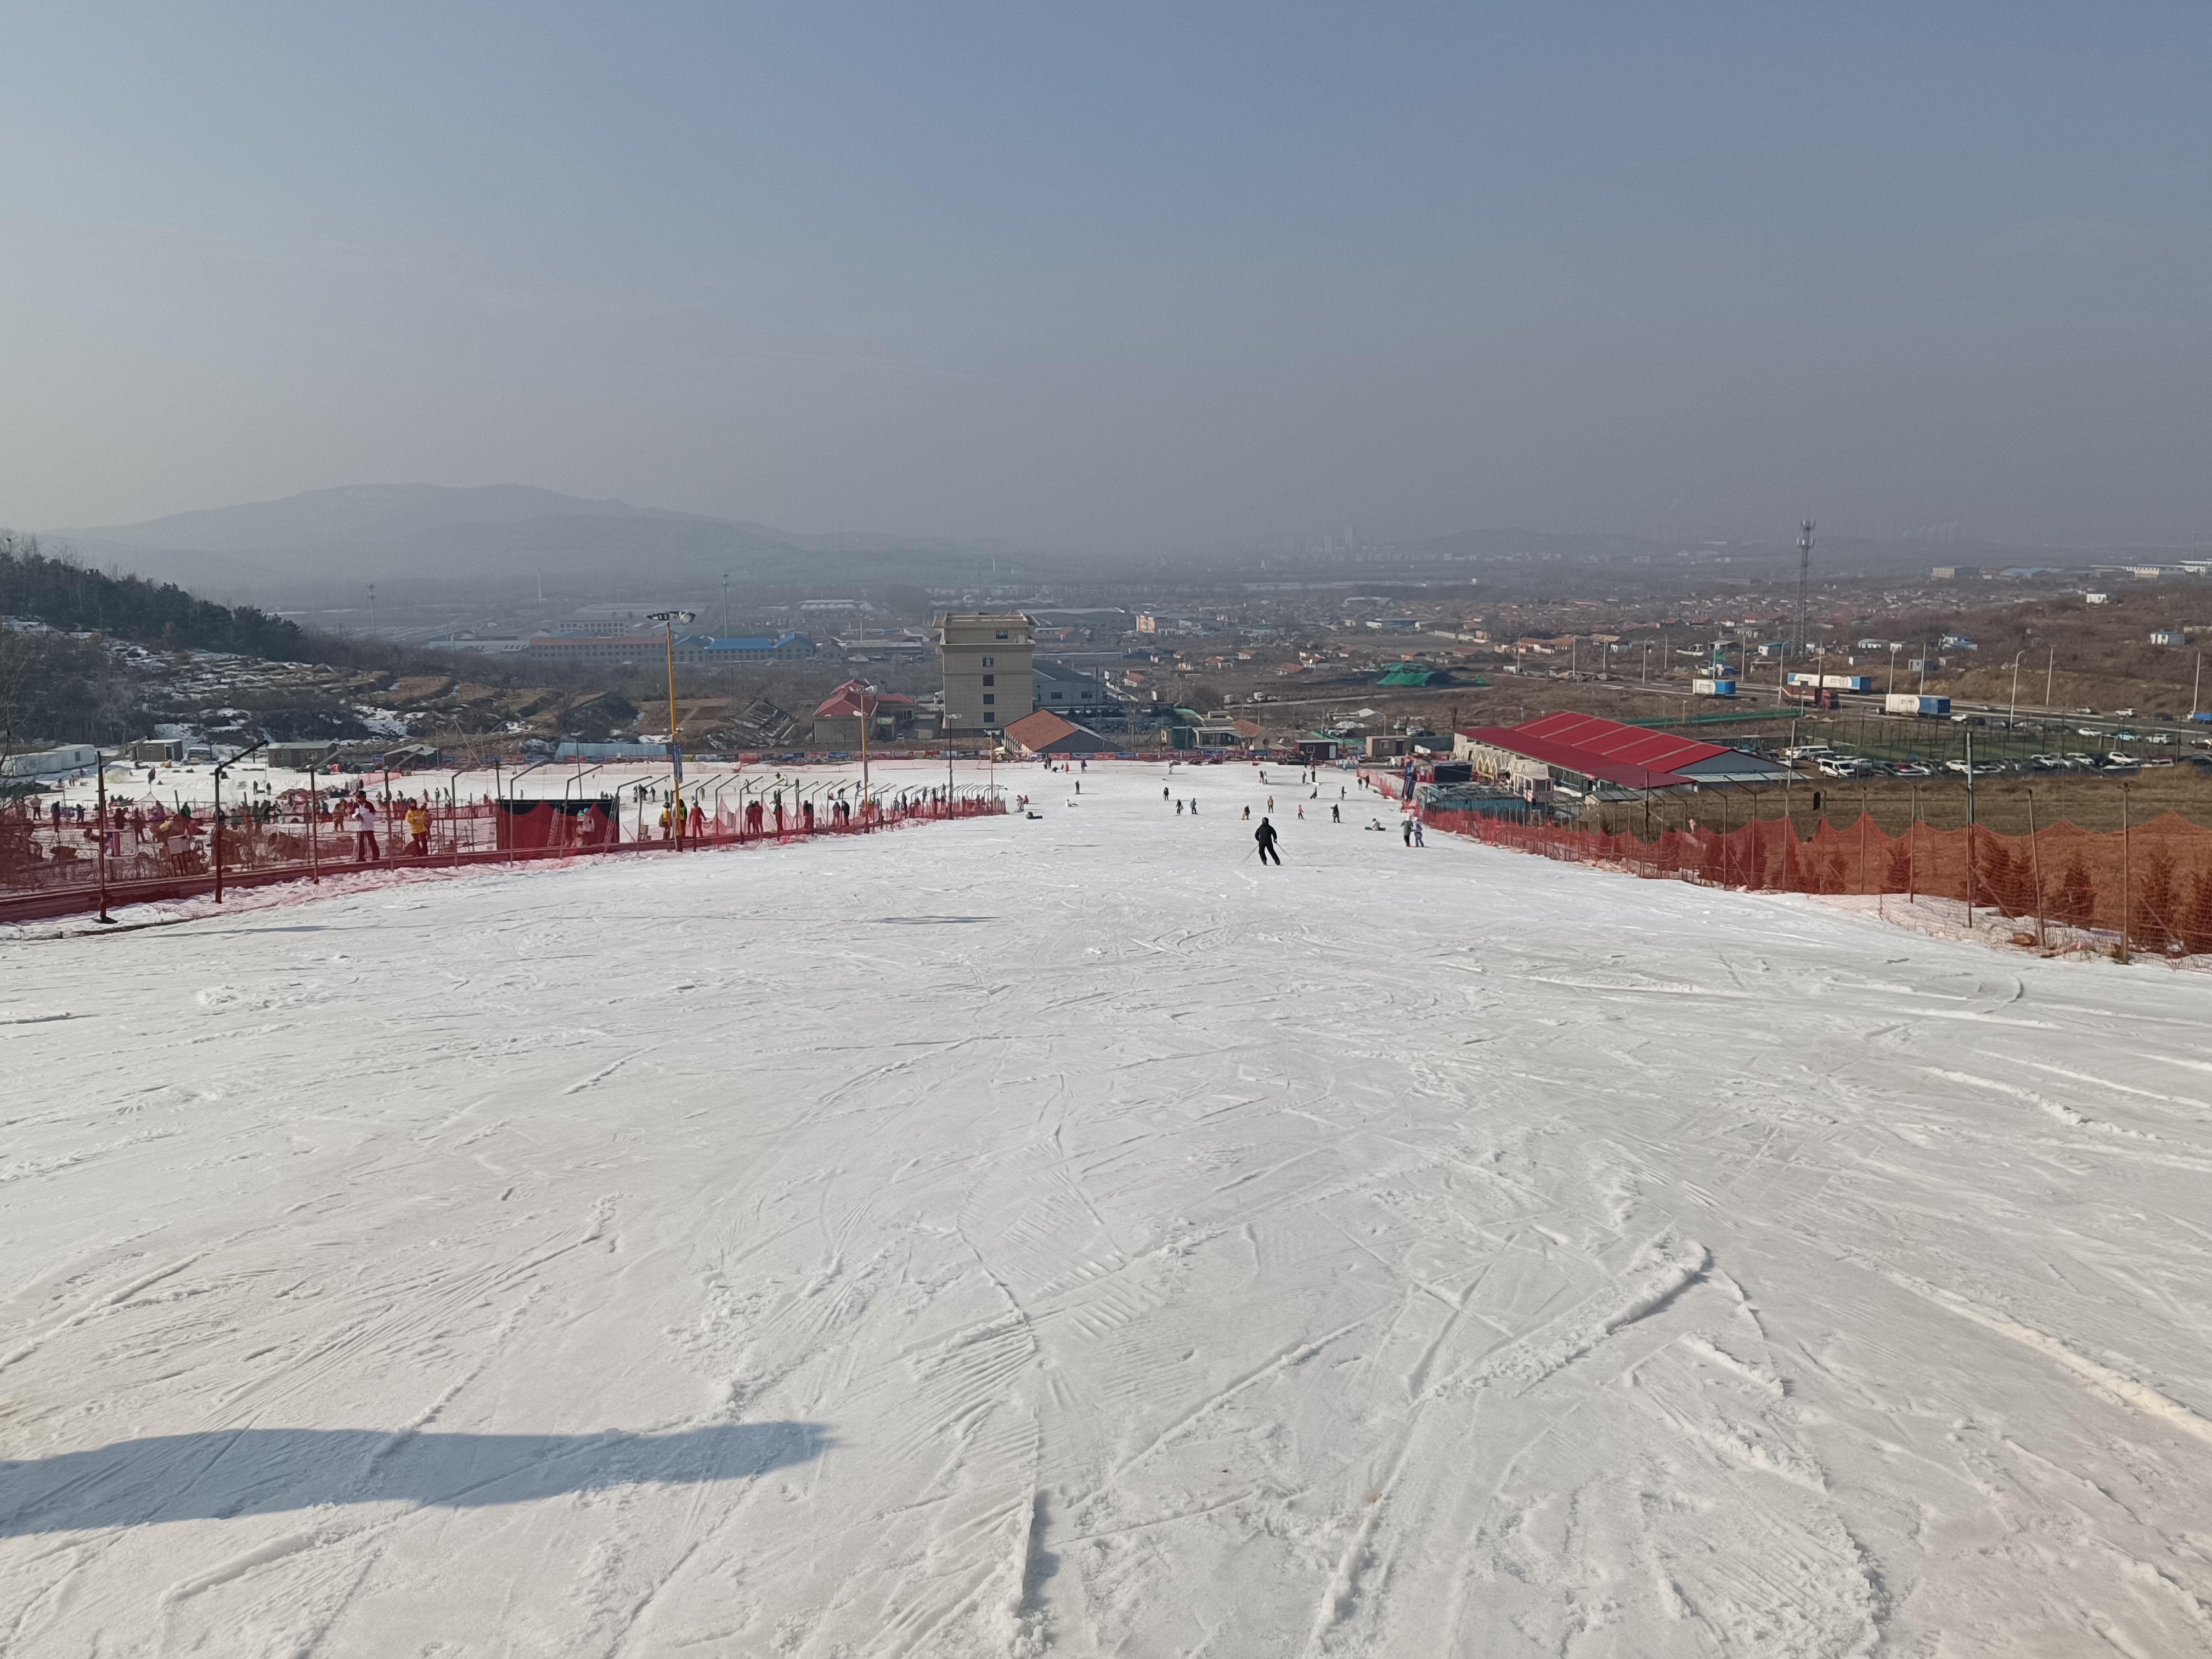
1848	682
1713	688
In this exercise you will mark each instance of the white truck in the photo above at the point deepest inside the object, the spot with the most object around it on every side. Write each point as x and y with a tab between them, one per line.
1904	702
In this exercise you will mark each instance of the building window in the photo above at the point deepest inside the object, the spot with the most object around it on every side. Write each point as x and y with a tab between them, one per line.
1001	634
990	679
989	661
990	697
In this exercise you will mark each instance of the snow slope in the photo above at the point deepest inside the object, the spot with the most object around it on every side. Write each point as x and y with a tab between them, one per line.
1065	1236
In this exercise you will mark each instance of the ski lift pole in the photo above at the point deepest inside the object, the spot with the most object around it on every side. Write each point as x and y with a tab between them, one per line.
215	829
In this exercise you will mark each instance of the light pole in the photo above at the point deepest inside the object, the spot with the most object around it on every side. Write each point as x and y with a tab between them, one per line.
1893	664
861	689
101	788
669	619
2013	710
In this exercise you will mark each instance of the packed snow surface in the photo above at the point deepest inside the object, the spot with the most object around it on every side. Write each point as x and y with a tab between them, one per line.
1062	1234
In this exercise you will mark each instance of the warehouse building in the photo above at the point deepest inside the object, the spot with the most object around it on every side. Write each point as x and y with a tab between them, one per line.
1586	754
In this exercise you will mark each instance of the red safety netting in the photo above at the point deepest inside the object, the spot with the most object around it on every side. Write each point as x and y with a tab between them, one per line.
53	863
2149	887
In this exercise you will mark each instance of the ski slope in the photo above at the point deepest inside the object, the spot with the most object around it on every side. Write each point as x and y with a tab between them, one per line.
1063	1235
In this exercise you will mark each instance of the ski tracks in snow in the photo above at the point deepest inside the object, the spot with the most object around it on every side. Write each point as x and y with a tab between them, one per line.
1428	1251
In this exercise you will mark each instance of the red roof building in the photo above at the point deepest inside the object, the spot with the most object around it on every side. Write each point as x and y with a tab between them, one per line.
1046	733
1585	752
837	721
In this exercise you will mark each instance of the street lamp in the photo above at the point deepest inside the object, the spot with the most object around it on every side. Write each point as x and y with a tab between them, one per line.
670	618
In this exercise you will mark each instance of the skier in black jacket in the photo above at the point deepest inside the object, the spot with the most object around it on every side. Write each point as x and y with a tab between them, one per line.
1264	835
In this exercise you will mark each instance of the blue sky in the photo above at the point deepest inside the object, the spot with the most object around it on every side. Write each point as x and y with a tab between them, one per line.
1156	275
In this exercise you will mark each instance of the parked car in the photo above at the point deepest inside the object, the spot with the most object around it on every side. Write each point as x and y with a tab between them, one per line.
2158	760
1911	770
2081	761
2160	739
2047	762
2116	761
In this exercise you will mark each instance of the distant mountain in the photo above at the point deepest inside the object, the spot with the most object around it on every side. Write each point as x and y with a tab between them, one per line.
348	516
498	533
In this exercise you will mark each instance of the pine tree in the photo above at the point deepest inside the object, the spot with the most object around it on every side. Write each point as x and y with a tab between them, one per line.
2074	902
1899	877
2154	916
2195	929
1994	882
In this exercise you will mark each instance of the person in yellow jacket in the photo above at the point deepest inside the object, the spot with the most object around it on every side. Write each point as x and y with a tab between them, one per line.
418	829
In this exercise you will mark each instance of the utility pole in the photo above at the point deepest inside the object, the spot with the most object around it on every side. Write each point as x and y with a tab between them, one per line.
2196	687
1970	831
372	608
2050	673
1804	574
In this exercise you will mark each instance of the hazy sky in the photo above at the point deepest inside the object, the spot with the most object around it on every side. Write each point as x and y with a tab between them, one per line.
1127	274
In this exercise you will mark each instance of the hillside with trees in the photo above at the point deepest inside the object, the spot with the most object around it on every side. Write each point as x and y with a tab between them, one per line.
63	593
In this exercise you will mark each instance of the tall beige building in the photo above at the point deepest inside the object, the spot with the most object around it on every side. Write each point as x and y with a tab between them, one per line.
986	656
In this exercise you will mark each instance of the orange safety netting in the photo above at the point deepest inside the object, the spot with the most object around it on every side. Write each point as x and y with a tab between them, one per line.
2148	887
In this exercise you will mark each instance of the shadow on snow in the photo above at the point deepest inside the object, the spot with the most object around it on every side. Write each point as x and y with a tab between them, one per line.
219	1474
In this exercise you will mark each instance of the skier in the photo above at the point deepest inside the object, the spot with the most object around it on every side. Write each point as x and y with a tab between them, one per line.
1247	814
364	832
1419	840
1335	813
418	830
1264	835
1408	828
